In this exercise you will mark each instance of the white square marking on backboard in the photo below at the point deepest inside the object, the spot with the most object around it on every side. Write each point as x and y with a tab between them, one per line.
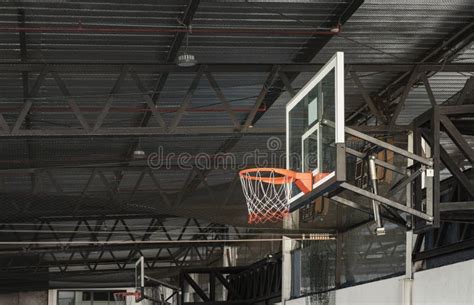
312	111
313	132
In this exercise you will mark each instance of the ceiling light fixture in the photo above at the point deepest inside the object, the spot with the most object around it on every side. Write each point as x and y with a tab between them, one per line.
336	28
139	153
186	59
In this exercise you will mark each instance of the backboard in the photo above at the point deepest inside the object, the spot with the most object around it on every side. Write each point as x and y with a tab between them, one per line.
140	279
315	131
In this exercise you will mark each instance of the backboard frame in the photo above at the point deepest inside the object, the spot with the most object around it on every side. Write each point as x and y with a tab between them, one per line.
140	279
338	176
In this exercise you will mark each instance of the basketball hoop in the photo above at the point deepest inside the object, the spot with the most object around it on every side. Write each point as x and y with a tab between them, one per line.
267	191
121	297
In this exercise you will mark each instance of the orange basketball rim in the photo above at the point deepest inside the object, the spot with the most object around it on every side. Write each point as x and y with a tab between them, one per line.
267	191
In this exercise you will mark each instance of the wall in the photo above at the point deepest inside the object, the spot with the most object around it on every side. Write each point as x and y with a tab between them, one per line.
386	292
53	296
447	285
25	298
452	284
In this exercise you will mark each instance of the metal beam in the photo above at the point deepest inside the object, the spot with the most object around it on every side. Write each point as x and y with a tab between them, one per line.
465	91
68	248
143	132
370	103
196	287
148	99
428	89
451	165
456	206
457	109
386	145
384	164
386	201
401	102
187	99
27	105
71	101
457	137
286	82
222	99
153	67
448	249
108	103
179	131
261	96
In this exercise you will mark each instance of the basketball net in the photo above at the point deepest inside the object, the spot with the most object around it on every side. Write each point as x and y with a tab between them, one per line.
266	201
267	191
121	297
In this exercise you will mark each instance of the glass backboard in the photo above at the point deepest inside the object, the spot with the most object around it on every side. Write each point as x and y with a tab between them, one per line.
315	128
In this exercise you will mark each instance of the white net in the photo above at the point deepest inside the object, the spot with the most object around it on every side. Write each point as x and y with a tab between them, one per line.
125	298
267	195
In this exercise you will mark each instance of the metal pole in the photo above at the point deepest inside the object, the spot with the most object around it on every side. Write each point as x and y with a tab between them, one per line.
380	230
408	279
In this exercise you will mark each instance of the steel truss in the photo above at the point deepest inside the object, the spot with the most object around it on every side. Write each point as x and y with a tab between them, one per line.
454	239
455	196
85	128
99	244
387	104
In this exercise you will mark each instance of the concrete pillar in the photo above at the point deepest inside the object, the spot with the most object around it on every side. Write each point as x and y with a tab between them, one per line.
229	259
290	223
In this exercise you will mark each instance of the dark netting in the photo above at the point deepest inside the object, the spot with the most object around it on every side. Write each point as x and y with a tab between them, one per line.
367	257
323	298
86	176
318	266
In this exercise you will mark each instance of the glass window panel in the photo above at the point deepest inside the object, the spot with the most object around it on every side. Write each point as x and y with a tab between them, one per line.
66	298
86	296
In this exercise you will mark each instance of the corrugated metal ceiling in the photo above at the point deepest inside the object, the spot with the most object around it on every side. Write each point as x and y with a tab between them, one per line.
379	31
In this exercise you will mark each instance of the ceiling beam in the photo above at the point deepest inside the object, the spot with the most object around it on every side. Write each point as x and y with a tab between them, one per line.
178	131
153	67
141	132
